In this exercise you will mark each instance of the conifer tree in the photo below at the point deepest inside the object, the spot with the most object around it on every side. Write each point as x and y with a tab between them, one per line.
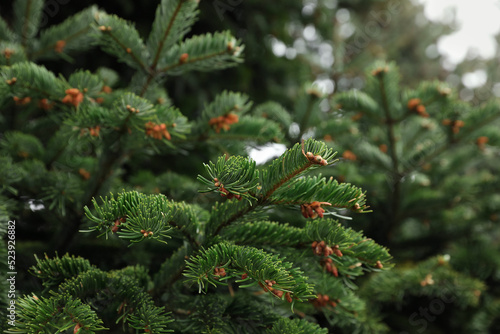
177	260
446	262
427	161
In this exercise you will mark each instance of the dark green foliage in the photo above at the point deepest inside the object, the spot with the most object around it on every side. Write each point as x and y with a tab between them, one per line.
114	120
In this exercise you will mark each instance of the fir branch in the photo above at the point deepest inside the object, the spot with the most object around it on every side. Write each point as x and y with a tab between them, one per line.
235	176
306	190
185	219
86	82
355	248
295	326
33	78
55	271
224	214
202	53
17	143
396	183
74	34
259	267
150	320
10	173
121	39
291	164
275	112
17	54
433	277
476	119
350	242
225	103
6	34
369	153
137	217
177	125
357	101
390	123
263	233
137	308
180	15
250	129
171	269
312	99
27	16
57	313
134	216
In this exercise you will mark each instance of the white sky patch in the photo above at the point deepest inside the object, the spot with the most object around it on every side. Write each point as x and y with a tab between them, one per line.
309	33
324	84
262	154
279	48
474	79
479	22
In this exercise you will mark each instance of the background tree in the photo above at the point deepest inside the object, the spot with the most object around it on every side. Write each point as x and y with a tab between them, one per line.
79	137
429	162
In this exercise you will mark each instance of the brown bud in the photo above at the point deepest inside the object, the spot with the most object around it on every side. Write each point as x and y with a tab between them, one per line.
183	58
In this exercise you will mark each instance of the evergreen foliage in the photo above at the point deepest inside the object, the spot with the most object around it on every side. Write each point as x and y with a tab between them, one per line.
135	161
95	130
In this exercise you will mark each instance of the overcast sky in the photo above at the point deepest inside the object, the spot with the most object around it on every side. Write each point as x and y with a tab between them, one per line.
479	22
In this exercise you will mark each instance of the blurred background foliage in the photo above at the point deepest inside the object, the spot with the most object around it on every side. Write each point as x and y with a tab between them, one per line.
454	211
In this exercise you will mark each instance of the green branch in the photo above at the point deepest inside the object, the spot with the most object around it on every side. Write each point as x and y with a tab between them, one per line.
165	35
